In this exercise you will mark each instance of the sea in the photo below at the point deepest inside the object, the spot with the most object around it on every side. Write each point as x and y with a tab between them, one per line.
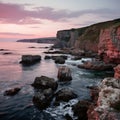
13	74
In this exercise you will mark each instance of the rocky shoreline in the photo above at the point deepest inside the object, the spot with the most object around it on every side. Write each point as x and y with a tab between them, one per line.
105	98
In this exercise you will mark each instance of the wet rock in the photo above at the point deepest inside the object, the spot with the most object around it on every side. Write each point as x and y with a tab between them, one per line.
117	72
47	57
59	60
45	88
80	109
30	59
109	92
7	53
64	74
53	52
96	65
3	50
44	82
94	93
65	94
61	56
68	117
12	91
43	98
107	104
31	47
77	58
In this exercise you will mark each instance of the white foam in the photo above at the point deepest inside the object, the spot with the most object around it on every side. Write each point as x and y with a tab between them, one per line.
63	109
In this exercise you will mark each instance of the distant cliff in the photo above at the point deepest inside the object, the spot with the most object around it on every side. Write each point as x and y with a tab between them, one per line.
50	40
102	38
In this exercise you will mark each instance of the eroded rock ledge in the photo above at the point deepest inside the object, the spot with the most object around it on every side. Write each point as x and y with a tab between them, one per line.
107	106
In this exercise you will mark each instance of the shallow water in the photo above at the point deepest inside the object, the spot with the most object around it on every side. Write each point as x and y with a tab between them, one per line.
13	74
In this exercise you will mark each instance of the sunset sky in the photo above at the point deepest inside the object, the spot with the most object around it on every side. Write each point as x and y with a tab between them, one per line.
21	19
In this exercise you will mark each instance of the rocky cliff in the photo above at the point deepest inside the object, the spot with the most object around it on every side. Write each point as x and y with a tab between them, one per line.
107	104
109	44
102	38
50	40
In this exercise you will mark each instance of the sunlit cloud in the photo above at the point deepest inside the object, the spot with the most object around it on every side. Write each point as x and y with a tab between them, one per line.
17	14
27	20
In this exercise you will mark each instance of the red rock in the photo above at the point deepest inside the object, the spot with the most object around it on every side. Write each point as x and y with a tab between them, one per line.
109	45
117	72
94	93
96	65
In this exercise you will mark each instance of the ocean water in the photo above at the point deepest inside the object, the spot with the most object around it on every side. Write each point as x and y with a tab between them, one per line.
13	74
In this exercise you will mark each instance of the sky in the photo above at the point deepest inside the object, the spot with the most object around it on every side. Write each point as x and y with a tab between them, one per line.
21	19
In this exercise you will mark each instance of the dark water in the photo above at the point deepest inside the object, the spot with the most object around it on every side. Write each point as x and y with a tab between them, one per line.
12	74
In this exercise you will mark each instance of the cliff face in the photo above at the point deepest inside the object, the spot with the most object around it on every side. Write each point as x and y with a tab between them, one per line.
50	40
109	44
102	38
68	37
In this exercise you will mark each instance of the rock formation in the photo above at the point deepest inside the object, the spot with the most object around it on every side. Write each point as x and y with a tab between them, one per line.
109	45
117	72
12	91
30	59
102	38
45	88
44	82
105	100
49	40
96	65
64	74
65	94
80	109
108	102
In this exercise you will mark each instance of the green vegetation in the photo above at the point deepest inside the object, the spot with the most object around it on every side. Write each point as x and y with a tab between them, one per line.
91	33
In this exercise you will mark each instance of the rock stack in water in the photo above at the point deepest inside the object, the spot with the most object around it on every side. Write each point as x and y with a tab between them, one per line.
45	90
64	74
12	92
30	59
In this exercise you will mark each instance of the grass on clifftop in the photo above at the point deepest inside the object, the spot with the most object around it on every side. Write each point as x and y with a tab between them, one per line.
91	33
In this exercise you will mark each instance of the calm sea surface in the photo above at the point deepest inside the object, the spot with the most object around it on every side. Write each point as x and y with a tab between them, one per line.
13	74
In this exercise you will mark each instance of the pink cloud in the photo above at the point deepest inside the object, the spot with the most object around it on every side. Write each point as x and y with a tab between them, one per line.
17	14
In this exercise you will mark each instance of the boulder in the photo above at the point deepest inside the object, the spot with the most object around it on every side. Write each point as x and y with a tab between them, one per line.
42	98
64	94
45	91
94	93
96	65
108	102
61	56
64	74
117	72
77	58
44	82
3	50
54	52
7	53
68	117
30	59
31	47
59	60
12	91
80	109
47	57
